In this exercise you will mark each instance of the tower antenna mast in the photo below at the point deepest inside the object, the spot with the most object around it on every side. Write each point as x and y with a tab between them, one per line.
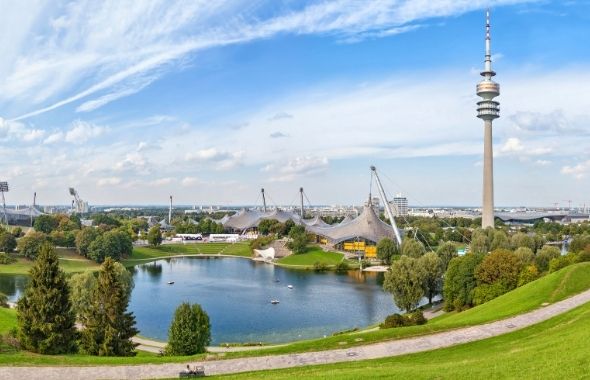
488	110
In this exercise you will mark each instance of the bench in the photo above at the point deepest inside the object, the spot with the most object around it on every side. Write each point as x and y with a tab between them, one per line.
198	372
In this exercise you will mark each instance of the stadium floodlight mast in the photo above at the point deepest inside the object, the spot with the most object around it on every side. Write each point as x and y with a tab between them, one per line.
4	189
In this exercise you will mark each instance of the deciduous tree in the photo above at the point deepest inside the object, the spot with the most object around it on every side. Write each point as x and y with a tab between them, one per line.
190	331
405	281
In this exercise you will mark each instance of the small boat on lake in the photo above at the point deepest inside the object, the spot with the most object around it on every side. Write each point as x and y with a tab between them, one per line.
170	282
290	286
274	302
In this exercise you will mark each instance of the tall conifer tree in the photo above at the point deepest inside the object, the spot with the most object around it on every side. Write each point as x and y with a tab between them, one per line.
44	313
110	327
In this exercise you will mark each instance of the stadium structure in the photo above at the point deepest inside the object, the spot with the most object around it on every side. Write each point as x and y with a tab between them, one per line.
360	234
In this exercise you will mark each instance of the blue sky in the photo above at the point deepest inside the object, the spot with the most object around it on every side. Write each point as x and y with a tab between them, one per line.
130	101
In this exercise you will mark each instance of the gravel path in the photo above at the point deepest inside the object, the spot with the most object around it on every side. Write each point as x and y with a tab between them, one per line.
372	351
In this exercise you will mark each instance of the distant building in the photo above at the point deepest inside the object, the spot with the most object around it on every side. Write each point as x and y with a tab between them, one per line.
399	205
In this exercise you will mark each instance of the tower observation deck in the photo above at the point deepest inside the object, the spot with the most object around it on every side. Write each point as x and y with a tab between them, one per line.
488	109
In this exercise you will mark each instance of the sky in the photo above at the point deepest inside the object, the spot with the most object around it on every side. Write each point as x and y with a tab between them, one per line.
209	101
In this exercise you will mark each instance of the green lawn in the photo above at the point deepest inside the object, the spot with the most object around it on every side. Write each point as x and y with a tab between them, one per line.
69	260
7	319
554	349
313	255
142	255
550	288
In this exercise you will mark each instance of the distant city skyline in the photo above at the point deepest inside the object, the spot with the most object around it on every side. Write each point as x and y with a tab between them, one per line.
130	102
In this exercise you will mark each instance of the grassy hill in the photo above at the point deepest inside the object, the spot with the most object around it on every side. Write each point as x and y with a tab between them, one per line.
554	349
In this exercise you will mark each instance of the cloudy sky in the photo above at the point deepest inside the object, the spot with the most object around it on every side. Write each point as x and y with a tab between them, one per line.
130	101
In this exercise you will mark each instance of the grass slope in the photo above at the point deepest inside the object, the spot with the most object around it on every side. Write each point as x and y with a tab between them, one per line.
554	349
69	260
551	288
313	255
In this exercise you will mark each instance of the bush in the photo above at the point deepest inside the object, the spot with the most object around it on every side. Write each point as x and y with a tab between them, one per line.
7	242
561	262
5	258
393	320
528	274
397	320
342	267
366	263
261	241
3	300
584	255
320	267
417	318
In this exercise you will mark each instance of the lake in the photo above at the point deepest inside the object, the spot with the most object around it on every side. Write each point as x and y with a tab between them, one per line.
236	293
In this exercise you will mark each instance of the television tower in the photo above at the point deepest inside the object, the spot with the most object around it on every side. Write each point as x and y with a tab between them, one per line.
488	110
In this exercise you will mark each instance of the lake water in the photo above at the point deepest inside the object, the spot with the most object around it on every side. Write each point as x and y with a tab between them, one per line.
236	293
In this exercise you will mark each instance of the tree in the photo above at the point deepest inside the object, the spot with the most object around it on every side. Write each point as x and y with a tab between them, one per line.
579	242
30	244
84	238
154	236
479	244
83	286
525	256
499	240
7	242
405	282
387	250
114	244
190	331
45	318
446	252
432	266
412	248
45	223
460	281
544	257
522	240
500	266
110	327
265	226
298	236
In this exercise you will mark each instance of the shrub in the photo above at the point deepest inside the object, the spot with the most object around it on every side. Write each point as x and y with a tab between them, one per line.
7	242
3	300
397	320
528	274
320	267
393	320
561	262
342	267
584	255
5	258
366	263
261	241
417	318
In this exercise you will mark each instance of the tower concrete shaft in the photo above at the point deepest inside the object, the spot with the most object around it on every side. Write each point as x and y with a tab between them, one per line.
488	110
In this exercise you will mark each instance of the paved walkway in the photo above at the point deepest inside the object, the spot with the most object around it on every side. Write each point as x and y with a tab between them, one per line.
372	351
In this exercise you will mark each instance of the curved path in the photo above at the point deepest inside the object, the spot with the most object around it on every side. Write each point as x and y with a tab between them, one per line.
372	351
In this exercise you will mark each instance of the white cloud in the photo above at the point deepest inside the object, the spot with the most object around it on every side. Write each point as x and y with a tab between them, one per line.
297	167
33	134
53	138
512	145
222	159
82	131
280	115
109	181
278	134
578	171
161	181
189	181
114	49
